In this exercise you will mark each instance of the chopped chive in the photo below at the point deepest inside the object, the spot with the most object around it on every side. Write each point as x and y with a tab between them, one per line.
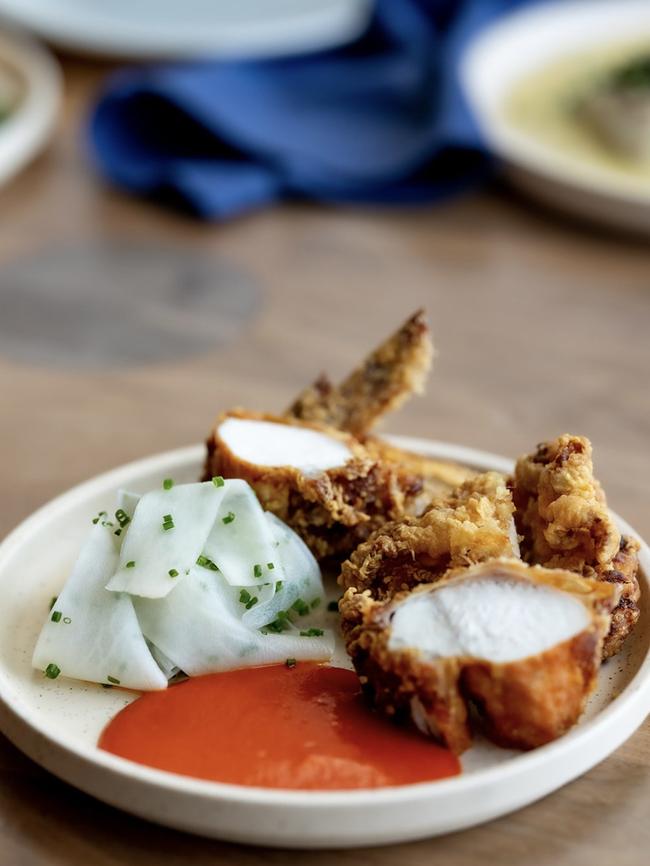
218	481
278	586
244	596
291	663
252	602
67	620
172	572
53	601
131	564
168	522
312	632
277	626
106	686
56	616
99	516
117	532
206	562
300	606
257	570
314	602
229	517
168	483
333	606
113	680
270	566
122	517
95	519
52	671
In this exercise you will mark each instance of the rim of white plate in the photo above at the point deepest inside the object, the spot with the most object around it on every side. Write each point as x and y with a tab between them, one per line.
638	689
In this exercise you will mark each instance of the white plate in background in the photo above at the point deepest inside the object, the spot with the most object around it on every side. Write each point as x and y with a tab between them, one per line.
57	723
527	40
30	81
148	29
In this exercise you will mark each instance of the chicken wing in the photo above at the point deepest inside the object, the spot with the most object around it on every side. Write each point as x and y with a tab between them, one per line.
562	515
387	377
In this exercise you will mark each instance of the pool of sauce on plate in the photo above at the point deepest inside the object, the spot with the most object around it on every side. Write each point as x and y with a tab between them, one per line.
540	106
304	727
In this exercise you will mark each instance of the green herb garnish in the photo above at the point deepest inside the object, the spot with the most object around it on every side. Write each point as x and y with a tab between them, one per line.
168	483
218	481
113	680
56	616
122	517
229	517
291	663
270	566
52	671
131	564
168	522
206	562
257	570
172	572
53	601
312	632
300	606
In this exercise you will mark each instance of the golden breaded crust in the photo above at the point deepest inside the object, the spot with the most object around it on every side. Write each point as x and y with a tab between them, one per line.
470	525
521	704
388	376
333	511
562	514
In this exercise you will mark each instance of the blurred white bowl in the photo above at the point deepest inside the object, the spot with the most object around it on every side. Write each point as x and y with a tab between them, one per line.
30	87
527	40
146	29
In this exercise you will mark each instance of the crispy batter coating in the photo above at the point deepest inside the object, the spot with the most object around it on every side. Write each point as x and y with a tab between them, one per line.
521	704
472	524
438	477
332	511
563	517
387	377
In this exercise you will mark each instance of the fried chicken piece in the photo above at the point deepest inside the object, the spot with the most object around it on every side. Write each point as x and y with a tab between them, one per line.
387	377
319	480
438	477
472	524
562	514
522	644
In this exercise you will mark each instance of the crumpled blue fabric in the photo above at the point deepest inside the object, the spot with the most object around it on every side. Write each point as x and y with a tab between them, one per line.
381	120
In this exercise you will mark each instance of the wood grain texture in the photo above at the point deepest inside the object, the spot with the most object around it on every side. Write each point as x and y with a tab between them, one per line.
541	327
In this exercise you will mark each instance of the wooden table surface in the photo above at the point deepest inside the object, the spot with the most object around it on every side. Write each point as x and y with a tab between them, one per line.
541	327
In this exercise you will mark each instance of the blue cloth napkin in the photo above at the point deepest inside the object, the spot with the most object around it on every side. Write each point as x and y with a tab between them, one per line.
381	120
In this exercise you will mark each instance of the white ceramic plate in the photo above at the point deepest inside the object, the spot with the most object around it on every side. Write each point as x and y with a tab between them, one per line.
147	29
30	78
57	723
502	54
